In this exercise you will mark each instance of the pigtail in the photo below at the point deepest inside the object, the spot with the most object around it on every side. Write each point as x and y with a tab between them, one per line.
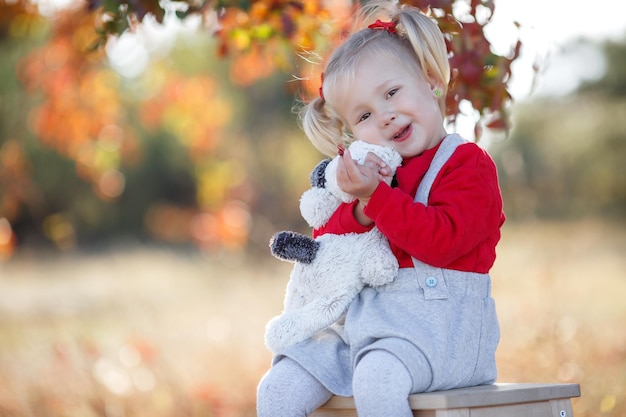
322	126
429	46
428	43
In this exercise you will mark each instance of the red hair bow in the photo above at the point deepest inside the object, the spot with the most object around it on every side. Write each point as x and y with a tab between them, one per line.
321	87
388	26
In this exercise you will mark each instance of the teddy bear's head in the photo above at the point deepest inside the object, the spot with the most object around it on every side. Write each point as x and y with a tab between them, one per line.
359	150
320	202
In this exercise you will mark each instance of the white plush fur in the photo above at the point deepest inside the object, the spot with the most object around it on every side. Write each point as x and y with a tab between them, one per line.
318	204
319	293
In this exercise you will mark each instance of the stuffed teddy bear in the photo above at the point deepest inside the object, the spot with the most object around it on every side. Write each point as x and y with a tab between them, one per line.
330	270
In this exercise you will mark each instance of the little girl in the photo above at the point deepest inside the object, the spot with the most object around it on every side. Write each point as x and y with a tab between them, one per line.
435	326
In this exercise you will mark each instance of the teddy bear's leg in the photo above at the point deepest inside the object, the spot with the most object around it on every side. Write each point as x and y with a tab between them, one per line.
297	325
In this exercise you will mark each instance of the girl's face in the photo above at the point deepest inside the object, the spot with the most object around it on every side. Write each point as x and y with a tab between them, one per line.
389	103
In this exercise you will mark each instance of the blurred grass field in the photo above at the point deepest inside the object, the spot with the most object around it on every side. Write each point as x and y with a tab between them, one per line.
152	332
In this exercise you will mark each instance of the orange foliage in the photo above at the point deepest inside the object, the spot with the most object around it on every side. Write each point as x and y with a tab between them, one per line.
169	223
189	108
226	227
264	38
17	17
14	178
79	91
251	66
7	239
17	190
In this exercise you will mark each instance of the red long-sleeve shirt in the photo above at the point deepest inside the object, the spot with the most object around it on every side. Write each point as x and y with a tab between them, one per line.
460	227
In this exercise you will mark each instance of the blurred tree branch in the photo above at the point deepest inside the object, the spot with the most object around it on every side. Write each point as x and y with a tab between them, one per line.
263	27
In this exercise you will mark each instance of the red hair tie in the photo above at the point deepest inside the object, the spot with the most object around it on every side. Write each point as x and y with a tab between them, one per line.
388	26
321	87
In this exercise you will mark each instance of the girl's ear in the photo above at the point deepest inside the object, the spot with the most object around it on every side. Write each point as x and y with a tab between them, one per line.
435	86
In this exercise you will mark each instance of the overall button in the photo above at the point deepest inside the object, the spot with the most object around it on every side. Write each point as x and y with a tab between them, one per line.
431	282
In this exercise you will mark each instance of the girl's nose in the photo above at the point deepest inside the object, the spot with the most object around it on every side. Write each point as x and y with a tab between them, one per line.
389	117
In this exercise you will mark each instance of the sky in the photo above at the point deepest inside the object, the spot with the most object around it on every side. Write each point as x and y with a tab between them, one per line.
546	28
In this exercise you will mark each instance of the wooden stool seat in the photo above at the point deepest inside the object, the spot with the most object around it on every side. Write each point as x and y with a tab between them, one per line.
498	400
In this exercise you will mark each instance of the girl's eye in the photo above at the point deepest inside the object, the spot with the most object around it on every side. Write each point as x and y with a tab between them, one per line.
392	92
365	116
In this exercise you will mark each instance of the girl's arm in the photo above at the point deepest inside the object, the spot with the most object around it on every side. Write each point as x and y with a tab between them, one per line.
465	210
360	181
343	221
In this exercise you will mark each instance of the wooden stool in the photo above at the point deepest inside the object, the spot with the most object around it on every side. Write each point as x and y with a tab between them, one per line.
498	400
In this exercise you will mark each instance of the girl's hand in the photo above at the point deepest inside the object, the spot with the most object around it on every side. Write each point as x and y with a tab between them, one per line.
360	180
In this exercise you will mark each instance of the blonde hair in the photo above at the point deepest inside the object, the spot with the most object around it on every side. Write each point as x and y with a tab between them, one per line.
417	36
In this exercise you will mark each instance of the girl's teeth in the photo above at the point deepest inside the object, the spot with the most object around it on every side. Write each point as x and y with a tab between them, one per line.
399	133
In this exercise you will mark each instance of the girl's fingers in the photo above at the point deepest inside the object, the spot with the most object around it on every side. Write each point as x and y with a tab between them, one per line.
351	168
376	163
361	180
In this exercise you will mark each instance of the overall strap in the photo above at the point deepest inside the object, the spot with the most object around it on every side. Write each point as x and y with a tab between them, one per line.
445	151
432	279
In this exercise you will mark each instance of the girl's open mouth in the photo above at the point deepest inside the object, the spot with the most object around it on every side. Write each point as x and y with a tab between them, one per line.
402	134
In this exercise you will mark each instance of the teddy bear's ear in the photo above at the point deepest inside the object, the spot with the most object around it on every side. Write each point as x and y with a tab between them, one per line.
317	177
294	247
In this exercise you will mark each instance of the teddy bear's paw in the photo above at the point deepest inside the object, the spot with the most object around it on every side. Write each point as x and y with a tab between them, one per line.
380	270
280	333
380	279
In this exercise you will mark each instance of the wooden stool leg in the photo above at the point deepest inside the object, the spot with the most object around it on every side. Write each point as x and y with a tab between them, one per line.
562	408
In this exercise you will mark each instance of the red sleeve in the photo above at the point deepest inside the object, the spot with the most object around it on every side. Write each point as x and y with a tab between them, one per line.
461	224
342	221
